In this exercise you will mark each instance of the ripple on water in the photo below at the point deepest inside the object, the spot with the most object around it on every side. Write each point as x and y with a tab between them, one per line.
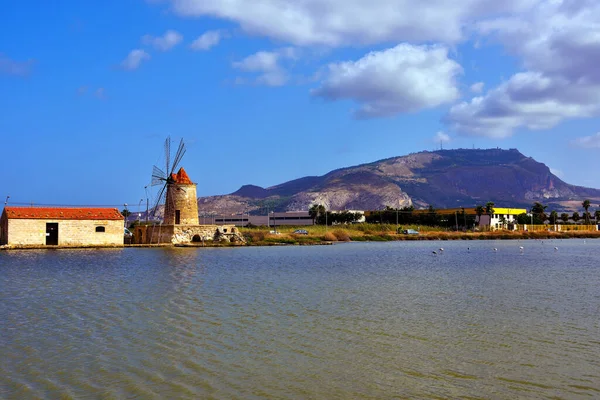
359	320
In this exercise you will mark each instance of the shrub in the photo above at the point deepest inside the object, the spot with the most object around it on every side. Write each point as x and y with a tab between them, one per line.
341	235
257	236
330	237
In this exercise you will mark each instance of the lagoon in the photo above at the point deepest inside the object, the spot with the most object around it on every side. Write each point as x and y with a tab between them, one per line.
348	321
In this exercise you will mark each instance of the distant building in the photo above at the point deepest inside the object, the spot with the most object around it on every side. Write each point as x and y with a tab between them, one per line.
287	218
290	218
54	226
502	217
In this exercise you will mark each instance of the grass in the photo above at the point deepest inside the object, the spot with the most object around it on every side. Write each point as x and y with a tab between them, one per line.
319	234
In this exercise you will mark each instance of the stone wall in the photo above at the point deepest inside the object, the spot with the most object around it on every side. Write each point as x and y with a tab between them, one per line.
27	232
184	234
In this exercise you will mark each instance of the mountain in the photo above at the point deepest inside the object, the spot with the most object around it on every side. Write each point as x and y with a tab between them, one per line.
444	179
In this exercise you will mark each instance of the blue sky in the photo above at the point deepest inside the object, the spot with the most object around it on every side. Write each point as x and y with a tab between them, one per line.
266	92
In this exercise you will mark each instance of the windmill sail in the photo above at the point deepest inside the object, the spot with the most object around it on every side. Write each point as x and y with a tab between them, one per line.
160	177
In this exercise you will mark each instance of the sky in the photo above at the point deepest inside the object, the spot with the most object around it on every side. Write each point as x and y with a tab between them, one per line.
263	92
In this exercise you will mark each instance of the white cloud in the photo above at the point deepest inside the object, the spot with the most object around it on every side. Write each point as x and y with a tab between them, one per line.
402	79
560	37
351	22
559	45
165	42
134	59
260	61
441	137
267	65
477	87
588	142
9	66
528	99
207	40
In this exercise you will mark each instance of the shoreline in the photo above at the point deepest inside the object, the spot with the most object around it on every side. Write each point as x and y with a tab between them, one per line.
341	236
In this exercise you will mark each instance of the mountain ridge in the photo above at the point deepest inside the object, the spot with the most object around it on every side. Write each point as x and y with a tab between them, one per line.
442	178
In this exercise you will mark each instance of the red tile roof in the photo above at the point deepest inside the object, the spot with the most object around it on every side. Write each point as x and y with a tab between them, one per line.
62	213
182	177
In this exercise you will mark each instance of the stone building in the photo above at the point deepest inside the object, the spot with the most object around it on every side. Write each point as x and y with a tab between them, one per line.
180	223
54	226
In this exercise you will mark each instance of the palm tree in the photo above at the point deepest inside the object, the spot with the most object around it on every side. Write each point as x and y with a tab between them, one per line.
315	210
489	207
575	216
479	210
553	217
538	210
597	216
564	217
586	205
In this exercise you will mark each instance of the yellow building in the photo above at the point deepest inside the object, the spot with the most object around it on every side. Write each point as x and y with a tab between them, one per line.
502	217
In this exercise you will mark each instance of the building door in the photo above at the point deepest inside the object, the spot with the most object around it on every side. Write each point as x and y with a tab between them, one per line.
177	217
52	234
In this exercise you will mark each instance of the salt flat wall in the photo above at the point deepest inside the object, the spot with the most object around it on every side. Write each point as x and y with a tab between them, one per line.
181	234
70	232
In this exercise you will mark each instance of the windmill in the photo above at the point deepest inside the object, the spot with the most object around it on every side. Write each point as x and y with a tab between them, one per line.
168	178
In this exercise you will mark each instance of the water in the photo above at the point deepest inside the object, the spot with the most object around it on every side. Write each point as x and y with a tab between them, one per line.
349	321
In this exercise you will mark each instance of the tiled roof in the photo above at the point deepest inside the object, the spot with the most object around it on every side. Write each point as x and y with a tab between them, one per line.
62	213
182	177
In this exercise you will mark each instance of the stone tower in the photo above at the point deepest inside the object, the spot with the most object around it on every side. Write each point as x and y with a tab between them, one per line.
181	205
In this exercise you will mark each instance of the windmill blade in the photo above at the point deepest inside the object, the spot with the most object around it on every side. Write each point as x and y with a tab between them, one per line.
178	156
159	200
158	176
168	153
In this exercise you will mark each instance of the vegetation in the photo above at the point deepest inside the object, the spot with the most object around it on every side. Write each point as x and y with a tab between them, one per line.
553	217
385	225
489	208
539	213
430	217
586	205
320	234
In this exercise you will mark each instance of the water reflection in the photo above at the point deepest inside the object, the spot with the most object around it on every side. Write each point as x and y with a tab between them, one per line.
359	320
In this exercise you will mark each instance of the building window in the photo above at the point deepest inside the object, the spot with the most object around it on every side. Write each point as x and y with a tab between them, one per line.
100	229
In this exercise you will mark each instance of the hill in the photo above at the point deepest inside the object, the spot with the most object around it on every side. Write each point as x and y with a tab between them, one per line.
444	179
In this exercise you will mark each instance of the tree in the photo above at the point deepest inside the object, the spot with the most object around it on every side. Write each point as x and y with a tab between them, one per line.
538	211
597	216
125	212
553	217
586	205
489	208
315	211
564	217
479	210
523	219
575	216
